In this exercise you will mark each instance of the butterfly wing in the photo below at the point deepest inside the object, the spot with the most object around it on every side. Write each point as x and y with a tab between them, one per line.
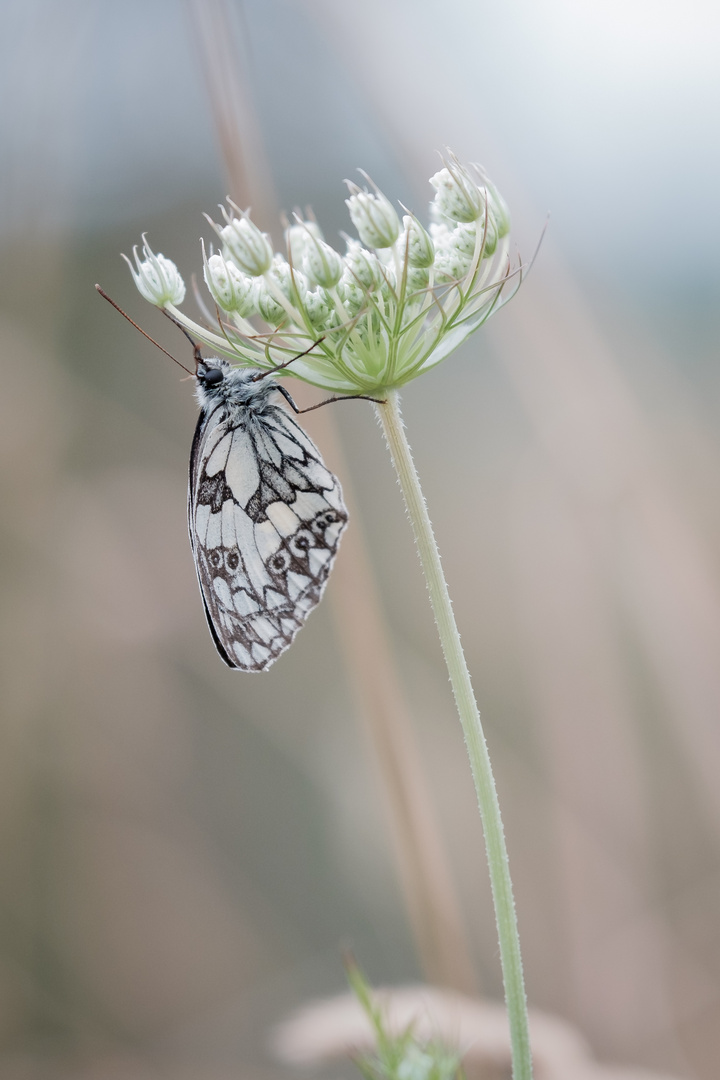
265	518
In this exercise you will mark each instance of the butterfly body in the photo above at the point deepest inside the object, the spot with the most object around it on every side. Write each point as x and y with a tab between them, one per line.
265	516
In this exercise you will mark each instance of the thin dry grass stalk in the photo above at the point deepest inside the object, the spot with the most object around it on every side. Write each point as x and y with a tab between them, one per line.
426	879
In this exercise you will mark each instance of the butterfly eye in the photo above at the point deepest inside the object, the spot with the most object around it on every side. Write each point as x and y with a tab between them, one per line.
301	542
211	376
233	560
215	558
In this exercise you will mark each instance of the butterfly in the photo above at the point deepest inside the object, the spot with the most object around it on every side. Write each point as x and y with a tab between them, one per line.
265	515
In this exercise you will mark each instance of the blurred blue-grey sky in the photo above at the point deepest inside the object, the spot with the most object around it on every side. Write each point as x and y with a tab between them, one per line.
606	112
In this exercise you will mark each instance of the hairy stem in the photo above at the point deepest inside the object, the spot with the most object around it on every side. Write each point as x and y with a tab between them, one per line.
390	418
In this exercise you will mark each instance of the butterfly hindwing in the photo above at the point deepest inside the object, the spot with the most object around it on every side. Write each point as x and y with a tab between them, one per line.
265	517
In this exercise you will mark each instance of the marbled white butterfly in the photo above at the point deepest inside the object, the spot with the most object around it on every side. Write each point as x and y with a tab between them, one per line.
264	513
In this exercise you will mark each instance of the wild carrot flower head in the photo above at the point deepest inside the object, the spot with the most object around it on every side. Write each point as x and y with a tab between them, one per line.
399	300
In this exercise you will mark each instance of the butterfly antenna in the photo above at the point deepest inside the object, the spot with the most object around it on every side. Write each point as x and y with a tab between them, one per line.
144	334
196	347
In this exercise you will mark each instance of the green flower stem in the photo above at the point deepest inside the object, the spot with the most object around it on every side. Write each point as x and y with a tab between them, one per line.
391	420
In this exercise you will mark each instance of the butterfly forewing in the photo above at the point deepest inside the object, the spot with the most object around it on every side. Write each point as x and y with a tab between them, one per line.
265	517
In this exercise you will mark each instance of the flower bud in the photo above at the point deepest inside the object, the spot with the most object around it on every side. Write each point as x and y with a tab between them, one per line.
297	238
453	252
456	247
458	196
388	283
317	307
499	210
373	216
272	312
315	304
248	247
362	265
231	290
463	238
353	296
420	248
418	278
491	235
321	263
288	282
157	278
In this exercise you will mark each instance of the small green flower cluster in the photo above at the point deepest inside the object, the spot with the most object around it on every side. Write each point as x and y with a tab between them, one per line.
399	1056
396	304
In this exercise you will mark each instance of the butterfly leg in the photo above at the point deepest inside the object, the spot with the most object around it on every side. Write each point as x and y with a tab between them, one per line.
328	401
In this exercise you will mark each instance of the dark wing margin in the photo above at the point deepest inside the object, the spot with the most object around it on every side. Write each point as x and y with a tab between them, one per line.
193	471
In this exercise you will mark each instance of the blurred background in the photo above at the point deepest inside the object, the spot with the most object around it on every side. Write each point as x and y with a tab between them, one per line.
187	850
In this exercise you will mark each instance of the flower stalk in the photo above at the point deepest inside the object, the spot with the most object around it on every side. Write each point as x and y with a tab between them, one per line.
499	868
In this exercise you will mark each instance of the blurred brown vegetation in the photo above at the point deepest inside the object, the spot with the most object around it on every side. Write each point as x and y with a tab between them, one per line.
185	850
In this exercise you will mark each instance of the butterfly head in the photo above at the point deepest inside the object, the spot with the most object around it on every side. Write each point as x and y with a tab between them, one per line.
219	381
211	373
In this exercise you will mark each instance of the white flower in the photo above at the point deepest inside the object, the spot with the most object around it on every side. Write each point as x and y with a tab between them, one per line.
317	306
420	248
353	296
498	207
289	280
298	236
321	263
451	264
362	266
248	248
373	216
418	277
456	247
459	197
157	278
231	290
278	289
269	307
463	239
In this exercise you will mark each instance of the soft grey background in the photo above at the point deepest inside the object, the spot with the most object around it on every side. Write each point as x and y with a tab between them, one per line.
186	850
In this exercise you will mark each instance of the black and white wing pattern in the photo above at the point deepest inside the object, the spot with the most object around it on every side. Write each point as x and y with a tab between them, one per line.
264	513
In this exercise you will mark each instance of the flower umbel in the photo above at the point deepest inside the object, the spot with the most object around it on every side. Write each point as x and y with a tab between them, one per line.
400	300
